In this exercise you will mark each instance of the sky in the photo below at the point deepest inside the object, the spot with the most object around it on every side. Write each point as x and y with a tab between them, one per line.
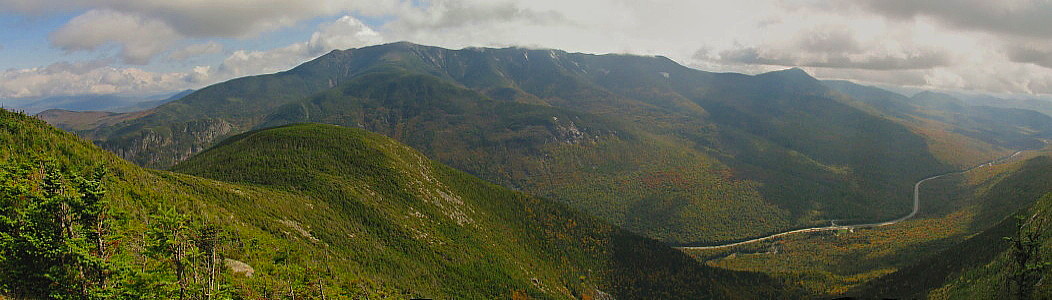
140	47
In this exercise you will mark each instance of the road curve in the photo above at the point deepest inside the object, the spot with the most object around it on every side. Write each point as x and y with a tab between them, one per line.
916	208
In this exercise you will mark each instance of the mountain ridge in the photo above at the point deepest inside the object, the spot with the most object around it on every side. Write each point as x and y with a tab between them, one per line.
777	150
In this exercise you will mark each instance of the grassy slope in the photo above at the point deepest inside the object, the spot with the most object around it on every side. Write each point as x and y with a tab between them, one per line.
399	226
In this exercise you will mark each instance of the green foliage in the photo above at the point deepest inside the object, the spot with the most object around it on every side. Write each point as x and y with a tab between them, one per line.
60	239
188	247
78	222
54	232
1028	267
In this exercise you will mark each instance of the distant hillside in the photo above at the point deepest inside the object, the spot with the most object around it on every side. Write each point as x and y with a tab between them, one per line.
318	210
1036	104
678	154
957	132
107	103
84	120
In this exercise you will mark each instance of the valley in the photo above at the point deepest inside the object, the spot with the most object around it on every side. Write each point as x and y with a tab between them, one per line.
403	170
916	209
958	207
525	149
691	158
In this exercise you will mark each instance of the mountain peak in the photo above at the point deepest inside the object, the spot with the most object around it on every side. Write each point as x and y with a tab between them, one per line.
935	96
392	45
400	44
932	94
937	99
794	79
790	72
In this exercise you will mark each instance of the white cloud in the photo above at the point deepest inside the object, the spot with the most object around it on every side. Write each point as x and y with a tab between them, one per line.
140	39
242	63
453	14
101	77
346	32
830	46
912	78
958	44
196	50
214	18
92	77
1029	18
145	28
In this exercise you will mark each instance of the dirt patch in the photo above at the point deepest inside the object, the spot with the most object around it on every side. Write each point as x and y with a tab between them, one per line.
239	267
296	226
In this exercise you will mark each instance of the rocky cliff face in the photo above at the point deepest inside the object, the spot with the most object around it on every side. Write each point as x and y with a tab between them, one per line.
567	132
165	146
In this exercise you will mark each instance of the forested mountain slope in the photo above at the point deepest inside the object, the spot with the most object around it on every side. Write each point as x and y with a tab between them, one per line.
309	211
685	156
647	183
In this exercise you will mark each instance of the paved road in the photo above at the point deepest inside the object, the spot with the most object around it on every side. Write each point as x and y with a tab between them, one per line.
916	208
